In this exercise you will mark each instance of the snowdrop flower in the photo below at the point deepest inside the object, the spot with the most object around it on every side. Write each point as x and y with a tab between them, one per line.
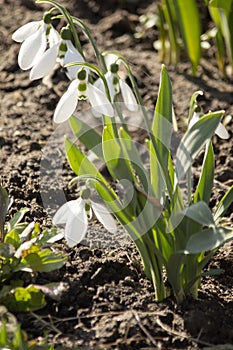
68	53
116	84
220	130
62	50
74	214
34	36
80	89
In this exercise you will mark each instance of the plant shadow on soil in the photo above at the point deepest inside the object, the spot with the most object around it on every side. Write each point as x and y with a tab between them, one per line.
108	303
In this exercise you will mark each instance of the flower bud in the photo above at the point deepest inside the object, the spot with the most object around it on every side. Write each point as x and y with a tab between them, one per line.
66	33
47	17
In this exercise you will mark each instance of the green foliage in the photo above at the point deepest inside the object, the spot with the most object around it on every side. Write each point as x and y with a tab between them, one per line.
176	234
222	14
179	26
12	337
24	248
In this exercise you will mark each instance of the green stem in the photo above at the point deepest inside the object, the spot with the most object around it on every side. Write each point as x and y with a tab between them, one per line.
69	20
147	122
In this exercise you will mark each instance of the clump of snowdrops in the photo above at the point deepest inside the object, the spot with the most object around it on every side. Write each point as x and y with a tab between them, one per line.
175	236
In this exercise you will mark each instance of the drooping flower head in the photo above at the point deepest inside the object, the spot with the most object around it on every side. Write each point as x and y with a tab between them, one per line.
81	89
34	37
42	47
75	214
68	53
117	85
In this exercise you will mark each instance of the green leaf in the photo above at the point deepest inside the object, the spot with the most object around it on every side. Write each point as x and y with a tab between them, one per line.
162	130
223	4
3	334
79	163
174	274
136	161
118	163
12	238
167	12
201	213
194	139
87	135
205	184
24	299
190	27
208	239
224	204
4	203
16	219
193	103
222	13
43	261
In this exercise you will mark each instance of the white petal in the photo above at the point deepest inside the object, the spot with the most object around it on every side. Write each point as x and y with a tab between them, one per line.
72	55
67	104
45	63
99	84
110	58
104	217
25	31
109	77
99	101
56	238
221	131
32	48
128	96
76	228
65	211
54	37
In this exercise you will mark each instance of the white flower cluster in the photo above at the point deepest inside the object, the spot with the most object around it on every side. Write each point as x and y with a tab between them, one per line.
42	46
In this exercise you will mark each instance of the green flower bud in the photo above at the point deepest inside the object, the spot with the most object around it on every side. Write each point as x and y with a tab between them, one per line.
47	17
66	33
82	74
85	194
114	68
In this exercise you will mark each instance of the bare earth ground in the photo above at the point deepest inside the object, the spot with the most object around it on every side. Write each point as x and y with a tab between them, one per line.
108	303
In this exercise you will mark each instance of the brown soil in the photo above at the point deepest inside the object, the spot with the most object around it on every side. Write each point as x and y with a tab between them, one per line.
108	302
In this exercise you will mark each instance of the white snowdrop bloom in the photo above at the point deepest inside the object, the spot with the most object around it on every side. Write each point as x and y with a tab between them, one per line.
62	50
34	37
117	85
45	63
26	30
68	53
74	214
220	131
80	89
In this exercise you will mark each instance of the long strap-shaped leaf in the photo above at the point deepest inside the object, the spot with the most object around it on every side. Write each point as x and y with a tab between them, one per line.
224	204
162	129
87	135
189	22
203	190
194	139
